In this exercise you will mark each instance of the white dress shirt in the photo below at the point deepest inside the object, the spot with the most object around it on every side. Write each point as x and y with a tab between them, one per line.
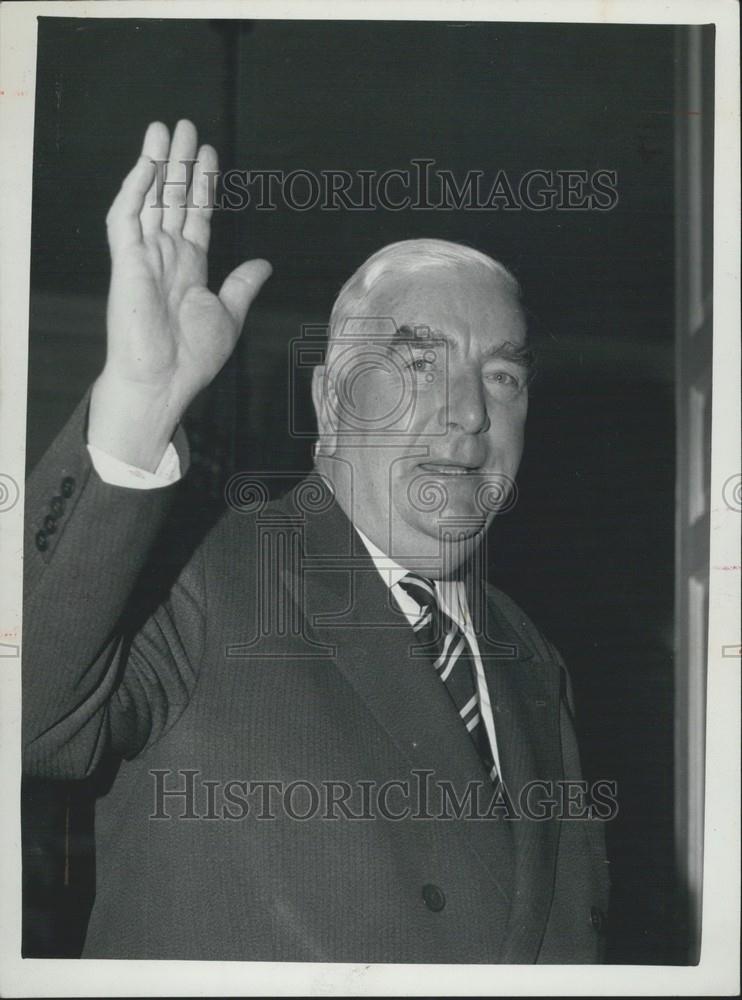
451	593
452	599
117	473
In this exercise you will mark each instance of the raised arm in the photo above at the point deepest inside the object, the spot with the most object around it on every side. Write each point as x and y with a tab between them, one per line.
94	678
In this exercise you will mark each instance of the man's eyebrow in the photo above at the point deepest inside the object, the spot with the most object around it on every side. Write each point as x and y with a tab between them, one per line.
418	334
517	354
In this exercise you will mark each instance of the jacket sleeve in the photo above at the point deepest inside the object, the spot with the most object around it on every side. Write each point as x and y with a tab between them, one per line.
95	679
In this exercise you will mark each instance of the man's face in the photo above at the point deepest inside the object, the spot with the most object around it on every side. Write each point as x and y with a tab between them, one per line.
431	417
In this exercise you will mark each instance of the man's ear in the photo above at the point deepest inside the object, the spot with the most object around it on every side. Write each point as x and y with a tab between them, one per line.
324	397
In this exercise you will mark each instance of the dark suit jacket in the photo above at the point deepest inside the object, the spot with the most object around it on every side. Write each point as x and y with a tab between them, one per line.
275	656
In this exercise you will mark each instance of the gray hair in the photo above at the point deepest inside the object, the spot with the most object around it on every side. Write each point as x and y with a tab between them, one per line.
408	257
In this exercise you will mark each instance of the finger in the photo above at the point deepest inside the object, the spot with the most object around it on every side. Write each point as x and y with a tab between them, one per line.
122	220
241	287
197	227
178	175
156	145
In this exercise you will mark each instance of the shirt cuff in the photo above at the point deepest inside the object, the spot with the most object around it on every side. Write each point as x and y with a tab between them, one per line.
117	473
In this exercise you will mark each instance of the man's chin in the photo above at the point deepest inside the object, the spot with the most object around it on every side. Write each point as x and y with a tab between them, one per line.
455	524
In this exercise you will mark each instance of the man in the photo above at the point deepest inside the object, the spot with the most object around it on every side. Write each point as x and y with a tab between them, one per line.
328	740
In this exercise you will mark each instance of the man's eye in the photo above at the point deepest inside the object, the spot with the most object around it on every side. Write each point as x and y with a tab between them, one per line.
502	378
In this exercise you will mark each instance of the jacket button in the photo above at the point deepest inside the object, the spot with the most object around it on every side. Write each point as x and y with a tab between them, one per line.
42	542
433	897
68	486
57	506
50	524
597	918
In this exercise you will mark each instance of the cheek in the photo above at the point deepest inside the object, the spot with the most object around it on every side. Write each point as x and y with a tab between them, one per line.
507	430
374	399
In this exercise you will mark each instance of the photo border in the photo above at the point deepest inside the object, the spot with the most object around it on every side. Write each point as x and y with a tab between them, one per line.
718	969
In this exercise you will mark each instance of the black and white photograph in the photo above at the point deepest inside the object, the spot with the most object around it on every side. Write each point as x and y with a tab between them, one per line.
379	576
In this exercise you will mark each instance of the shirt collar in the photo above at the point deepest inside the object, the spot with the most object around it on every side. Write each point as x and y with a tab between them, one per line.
391	572
451	593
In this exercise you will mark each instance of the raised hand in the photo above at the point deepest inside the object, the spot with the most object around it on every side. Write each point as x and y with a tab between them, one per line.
168	335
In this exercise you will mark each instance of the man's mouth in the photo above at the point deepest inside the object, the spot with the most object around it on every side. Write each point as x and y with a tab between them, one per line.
449	468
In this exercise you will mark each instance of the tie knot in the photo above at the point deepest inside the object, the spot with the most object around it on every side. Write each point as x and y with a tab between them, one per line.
420	589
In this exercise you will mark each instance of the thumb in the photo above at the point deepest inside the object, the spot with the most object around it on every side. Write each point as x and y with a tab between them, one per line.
241	286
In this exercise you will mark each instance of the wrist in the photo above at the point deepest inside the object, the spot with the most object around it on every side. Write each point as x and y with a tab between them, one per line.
132	422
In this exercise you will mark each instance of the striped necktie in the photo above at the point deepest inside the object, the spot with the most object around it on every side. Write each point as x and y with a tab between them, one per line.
452	660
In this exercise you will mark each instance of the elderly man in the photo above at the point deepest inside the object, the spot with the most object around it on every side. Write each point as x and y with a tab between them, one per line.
329	739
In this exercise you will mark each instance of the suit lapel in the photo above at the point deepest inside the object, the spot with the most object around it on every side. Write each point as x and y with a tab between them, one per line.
525	697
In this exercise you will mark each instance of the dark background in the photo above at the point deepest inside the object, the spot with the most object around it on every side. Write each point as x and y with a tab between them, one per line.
588	549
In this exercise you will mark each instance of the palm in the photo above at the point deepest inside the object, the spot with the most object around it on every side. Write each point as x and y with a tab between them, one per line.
166	331
161	287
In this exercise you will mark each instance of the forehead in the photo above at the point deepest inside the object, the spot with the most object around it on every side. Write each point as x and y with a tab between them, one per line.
461	303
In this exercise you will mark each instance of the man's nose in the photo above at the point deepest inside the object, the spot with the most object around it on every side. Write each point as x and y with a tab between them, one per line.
466	405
